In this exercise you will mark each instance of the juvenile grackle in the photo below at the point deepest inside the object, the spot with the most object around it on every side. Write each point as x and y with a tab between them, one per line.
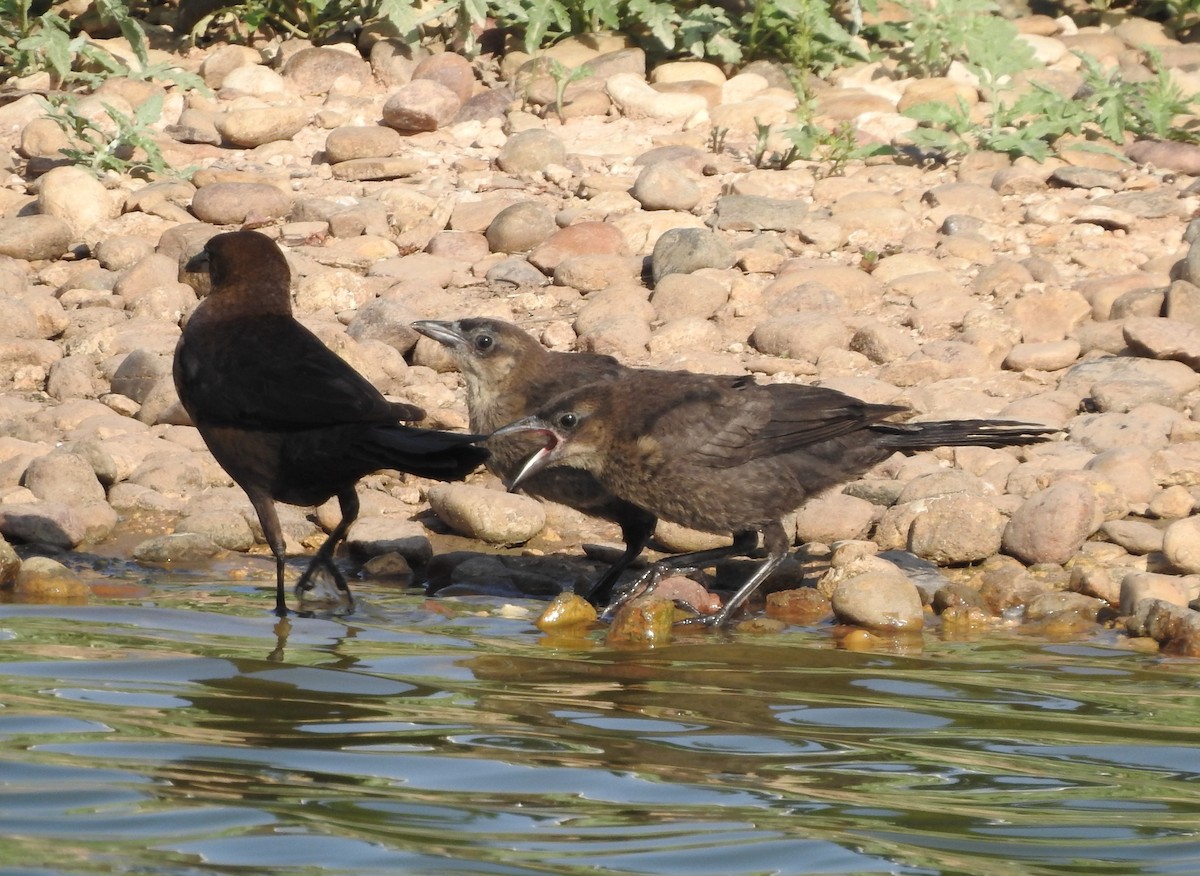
726	454
510	375
287	418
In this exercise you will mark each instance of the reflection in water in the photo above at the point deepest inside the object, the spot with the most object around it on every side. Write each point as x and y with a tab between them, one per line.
177	741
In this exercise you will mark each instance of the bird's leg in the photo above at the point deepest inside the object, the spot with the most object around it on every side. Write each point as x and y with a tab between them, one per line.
348	502
776	541
636	530
264	507
644	584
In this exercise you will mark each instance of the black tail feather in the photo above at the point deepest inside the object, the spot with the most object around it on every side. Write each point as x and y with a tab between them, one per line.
960	433
429	453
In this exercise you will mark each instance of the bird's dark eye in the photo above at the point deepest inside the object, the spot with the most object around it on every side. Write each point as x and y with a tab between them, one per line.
568	420
484	342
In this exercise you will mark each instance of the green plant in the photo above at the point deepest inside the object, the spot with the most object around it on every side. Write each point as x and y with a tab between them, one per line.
564	76
129	147
802	33
716	139
832	148
44	43
936	34
318	20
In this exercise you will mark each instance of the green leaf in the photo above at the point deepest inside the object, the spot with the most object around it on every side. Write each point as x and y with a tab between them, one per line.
118	12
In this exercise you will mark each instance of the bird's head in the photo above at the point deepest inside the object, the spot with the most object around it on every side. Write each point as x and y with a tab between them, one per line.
485	349
573	430
247	265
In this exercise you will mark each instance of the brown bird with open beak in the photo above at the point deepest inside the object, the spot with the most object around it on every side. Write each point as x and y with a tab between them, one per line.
729	455
286	417
510	375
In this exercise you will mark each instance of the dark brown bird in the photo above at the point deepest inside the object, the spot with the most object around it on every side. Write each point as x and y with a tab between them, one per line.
510	375
726	454
286	417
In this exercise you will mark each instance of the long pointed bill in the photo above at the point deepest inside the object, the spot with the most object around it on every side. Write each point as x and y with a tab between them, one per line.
442	331
538	461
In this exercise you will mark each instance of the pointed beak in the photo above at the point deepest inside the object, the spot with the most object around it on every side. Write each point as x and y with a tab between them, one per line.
198	264
444	332
538	461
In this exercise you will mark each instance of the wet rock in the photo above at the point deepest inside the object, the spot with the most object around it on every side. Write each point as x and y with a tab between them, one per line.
1050	525
177	547
489	515
565	611
10	564
520	227
642	623
421	105
247	128
531	151
878	601
34	237
684	250
43	579
803	605
380	535
226	529
1176	628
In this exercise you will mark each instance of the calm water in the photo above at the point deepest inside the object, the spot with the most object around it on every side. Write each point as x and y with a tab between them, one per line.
179	734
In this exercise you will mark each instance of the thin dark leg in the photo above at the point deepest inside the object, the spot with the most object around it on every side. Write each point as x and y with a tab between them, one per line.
348	502
264	506
743	544
777	543
637	526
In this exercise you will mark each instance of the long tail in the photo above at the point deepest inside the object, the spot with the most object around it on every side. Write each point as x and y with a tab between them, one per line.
959	433
429	453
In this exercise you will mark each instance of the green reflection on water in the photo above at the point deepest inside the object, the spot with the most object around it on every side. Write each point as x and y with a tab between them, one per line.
169	739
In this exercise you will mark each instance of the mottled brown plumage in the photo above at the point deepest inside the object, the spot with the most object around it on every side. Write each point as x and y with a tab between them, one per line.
510	375
728	455
287	418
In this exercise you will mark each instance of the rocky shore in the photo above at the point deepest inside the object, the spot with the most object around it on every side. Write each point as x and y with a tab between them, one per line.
400	187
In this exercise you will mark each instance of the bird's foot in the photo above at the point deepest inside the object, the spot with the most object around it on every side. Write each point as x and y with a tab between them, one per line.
316	592
643	585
